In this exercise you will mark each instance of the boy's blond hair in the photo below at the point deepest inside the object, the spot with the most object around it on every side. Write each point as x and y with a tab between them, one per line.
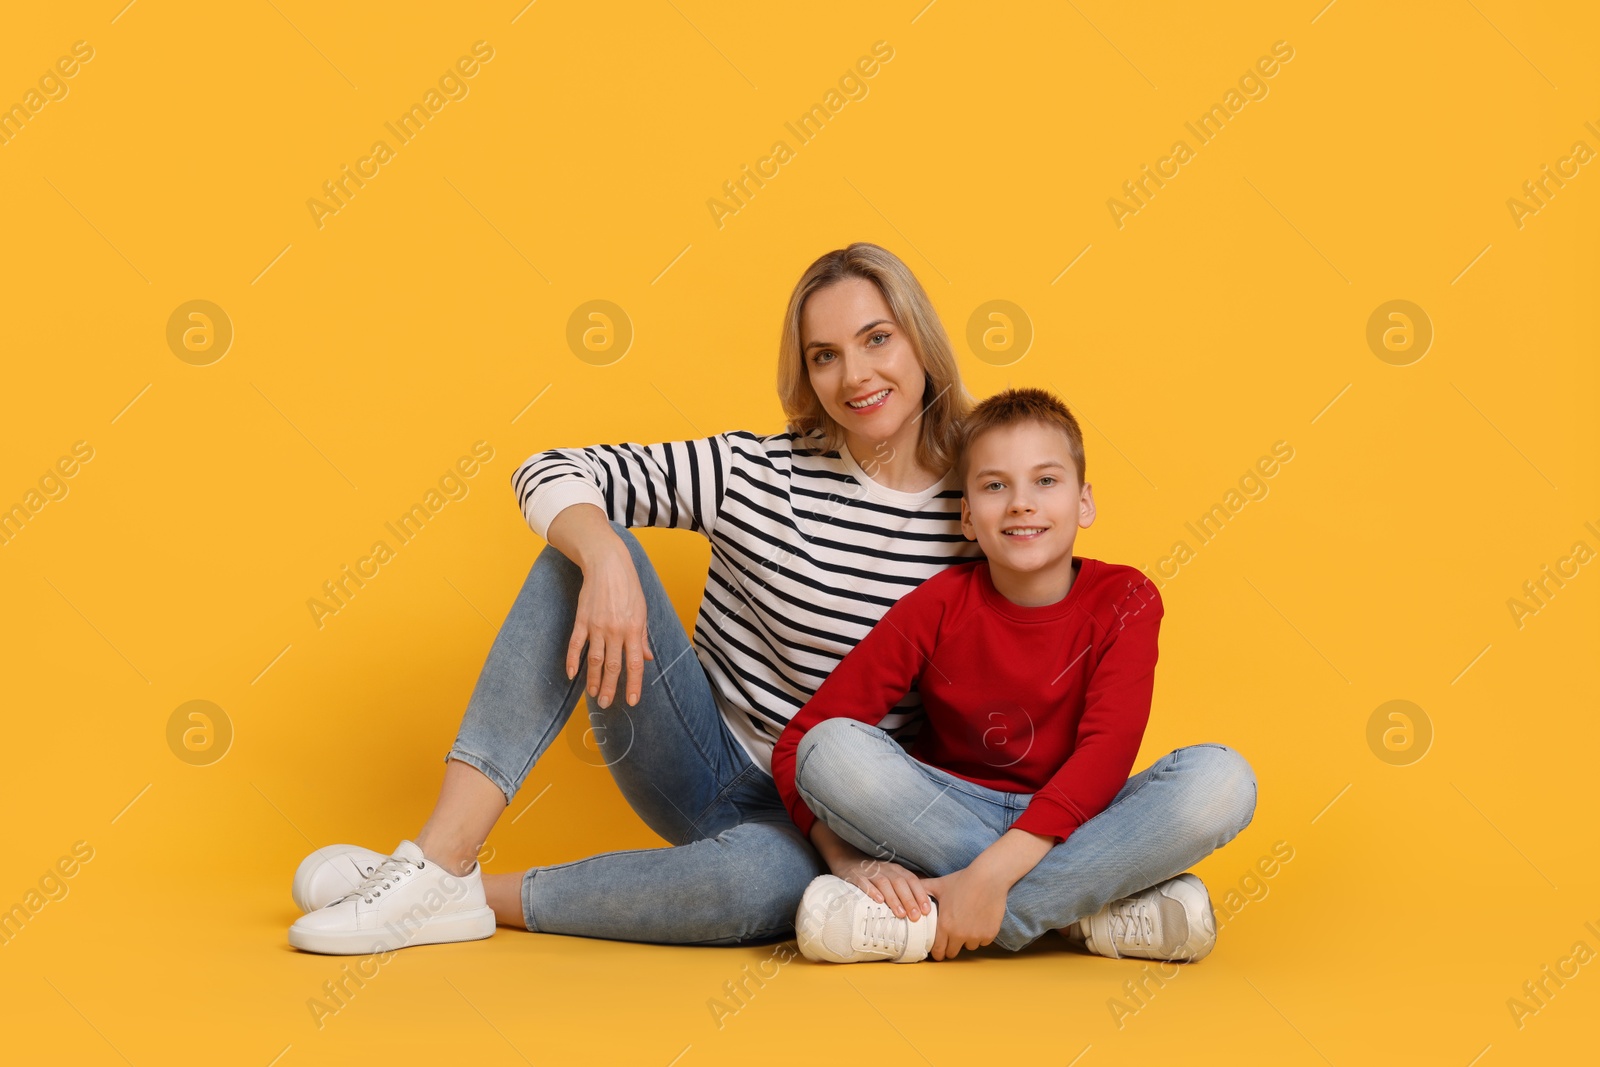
1012	406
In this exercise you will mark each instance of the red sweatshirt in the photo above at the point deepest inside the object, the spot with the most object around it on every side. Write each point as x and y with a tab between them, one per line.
1048	700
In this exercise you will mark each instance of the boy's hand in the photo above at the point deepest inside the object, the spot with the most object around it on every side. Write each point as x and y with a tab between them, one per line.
971	906
887	883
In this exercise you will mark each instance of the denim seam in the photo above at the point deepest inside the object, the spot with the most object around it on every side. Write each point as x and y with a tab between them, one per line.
722	794
543	746
1117	800
954	781
833	817
487	768
677	708
526	895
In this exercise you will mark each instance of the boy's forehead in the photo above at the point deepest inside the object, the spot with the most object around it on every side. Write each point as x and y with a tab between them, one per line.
1022	445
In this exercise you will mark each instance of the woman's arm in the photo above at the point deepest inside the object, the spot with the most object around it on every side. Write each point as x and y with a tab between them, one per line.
675	484
611	610
570	497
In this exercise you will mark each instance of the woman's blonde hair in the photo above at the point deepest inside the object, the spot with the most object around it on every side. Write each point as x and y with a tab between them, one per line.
945	401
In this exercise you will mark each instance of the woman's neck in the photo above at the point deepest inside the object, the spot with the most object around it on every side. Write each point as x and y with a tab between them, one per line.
893	463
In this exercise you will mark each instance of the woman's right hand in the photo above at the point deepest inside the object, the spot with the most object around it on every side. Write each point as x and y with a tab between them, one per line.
611	619
887	883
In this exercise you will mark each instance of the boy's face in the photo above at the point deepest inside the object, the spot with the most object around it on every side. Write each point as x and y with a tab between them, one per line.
1023	503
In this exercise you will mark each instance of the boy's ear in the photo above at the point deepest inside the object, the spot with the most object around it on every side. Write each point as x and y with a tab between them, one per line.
969	531
1086	507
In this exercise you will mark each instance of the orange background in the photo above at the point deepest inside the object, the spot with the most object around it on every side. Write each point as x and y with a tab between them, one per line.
431	312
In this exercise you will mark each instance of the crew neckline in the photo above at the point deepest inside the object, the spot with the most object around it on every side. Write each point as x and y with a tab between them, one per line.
1044	612
883	492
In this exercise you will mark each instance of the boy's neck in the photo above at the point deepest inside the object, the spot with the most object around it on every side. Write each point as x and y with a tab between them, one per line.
1034	589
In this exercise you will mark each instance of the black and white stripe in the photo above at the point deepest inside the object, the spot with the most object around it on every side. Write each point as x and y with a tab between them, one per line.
807	553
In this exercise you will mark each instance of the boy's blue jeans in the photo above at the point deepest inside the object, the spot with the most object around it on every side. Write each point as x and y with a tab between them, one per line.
870	792
737	865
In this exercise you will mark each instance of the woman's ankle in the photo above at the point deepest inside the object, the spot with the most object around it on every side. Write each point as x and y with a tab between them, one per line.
454	857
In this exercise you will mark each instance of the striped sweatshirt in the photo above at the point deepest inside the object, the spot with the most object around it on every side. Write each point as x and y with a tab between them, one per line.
807	553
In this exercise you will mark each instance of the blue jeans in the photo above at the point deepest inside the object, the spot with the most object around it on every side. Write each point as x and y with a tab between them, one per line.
870	792
736	865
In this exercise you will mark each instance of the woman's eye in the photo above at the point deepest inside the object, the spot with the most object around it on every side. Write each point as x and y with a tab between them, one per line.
818	357
880	334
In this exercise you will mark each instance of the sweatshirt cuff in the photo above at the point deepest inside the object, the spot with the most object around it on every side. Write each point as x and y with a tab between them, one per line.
548	502
1046	823
805	819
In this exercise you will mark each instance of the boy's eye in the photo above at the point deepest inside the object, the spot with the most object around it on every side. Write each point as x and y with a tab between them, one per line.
990	485
1048	478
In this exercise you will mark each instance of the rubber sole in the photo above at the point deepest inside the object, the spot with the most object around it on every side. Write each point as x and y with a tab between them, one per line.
472	925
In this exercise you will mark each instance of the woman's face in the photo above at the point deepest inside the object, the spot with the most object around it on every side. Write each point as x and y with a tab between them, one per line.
861	364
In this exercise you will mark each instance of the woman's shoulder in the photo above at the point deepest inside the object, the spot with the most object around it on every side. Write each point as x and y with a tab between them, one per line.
782	448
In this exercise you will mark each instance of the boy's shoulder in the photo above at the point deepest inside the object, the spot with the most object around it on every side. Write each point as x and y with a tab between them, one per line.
951	578
1122	593
949	585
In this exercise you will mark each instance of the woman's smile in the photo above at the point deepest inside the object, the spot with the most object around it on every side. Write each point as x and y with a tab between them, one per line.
869	402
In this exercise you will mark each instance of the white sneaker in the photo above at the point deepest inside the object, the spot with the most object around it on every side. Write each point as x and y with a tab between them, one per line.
838	923
407	900
1169	921
332	872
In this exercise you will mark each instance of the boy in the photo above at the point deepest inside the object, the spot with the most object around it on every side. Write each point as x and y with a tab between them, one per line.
1035	669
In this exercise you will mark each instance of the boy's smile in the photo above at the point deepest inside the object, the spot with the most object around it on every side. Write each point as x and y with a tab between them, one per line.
1024	507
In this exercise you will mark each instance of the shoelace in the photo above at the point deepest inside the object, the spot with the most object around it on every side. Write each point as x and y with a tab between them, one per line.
884	932
1130	922
383	876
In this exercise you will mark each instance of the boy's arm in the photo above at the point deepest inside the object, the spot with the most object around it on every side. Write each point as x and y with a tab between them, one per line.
972	901
1115	713
872	678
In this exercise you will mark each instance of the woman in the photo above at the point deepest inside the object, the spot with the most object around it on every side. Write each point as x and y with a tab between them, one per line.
814	532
